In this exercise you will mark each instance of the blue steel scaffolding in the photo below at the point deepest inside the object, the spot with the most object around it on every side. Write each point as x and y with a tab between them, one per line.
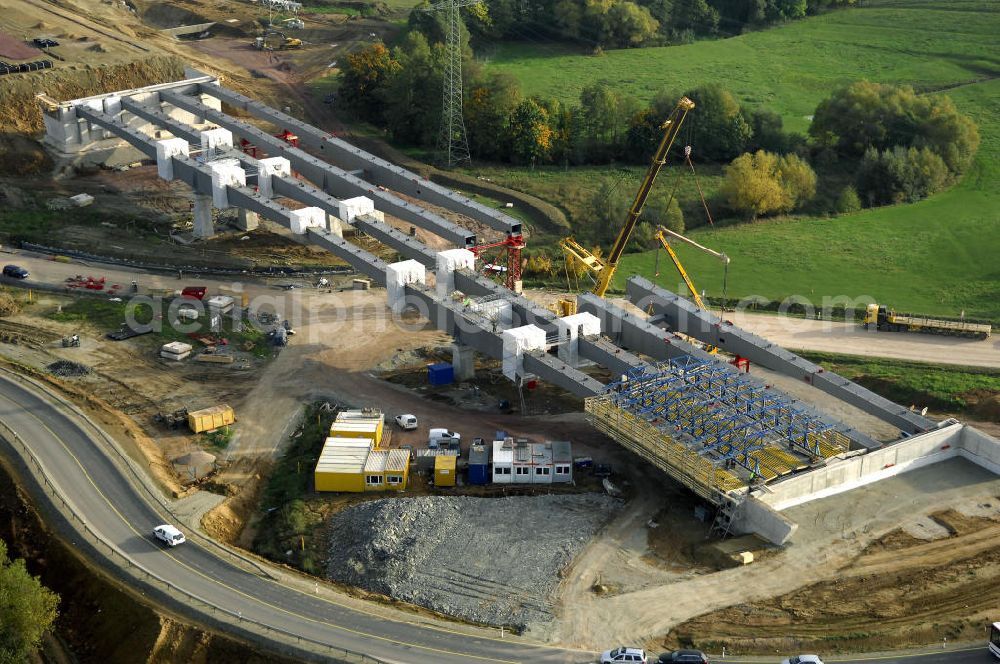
741	432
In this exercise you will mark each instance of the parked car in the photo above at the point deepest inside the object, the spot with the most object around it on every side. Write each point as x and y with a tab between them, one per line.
15	271
169	535
623	654
44	42
683	657
803	659
407	422
442	437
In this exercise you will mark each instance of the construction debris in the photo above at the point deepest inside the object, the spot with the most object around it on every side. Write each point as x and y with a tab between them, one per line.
67	369
440	552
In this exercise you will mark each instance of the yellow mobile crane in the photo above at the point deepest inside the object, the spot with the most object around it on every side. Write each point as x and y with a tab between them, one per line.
661	235
603	270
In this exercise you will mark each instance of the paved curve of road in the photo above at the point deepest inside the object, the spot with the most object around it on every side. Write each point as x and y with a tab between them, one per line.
81	471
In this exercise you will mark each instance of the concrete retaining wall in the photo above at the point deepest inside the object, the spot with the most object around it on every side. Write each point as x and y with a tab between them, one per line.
761	519
846	474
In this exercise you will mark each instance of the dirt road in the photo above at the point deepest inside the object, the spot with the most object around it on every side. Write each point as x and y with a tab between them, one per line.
853	339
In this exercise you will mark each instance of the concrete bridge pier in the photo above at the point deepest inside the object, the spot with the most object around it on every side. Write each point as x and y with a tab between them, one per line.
247	220
204	227
463	362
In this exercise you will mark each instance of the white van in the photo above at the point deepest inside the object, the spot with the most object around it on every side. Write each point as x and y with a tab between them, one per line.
443	438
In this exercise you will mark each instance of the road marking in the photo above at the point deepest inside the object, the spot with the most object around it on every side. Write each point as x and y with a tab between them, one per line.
251	597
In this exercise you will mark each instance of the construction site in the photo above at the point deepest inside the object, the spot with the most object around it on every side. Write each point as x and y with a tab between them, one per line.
690	482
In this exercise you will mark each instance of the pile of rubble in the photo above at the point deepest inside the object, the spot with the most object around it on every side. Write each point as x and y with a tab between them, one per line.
67	369
492	561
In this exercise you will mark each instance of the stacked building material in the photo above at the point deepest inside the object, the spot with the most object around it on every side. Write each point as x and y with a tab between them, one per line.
175	350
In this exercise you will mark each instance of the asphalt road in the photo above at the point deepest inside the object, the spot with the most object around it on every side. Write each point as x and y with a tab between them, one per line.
81	471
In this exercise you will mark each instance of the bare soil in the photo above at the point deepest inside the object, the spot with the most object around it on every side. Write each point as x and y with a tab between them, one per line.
899	592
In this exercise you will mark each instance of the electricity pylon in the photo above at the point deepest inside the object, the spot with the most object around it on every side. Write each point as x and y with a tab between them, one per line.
453	142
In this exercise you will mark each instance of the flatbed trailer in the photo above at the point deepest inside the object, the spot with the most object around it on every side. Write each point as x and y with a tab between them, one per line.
883	318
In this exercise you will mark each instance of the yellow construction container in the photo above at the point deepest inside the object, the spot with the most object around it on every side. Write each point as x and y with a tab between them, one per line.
366	423
341	465
444	470
354	465
208	419
387	470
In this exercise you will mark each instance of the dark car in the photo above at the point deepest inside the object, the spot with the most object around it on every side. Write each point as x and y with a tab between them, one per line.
44	42
683	657
15	271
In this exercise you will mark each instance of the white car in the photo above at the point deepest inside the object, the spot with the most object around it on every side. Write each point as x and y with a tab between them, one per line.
407	422
170	535
624	654
803	659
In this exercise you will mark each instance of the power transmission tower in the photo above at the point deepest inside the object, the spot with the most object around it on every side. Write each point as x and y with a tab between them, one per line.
453	142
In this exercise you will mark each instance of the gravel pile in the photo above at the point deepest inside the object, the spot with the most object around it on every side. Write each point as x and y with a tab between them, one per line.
488	560
68	369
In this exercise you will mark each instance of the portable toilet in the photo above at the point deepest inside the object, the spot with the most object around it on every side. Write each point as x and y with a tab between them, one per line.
444	470
479	465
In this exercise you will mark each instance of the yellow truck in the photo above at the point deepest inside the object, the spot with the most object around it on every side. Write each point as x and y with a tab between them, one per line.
885	319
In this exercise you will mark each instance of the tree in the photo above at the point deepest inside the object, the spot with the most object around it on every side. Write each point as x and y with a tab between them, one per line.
628	24
718	129
660	212
797	179
848	201
900	175
763	182
489	105
27	610
364	79
413	114
874	115
768	131
695	15
530	135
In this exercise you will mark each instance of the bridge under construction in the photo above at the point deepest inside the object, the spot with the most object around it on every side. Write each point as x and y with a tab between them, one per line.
731	438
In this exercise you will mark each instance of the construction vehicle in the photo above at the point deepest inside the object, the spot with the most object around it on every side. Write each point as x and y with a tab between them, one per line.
282	43
661	235
603	269
885	319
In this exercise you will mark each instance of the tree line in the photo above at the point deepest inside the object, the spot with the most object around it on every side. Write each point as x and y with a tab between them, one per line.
868	144
600	24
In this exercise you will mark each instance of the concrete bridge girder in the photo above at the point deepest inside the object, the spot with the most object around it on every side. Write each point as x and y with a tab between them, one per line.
327	177
353	158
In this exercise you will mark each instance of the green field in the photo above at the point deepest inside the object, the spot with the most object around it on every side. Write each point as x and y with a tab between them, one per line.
938	256
951	389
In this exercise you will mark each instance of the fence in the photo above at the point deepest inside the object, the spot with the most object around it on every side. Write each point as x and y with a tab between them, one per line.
216	614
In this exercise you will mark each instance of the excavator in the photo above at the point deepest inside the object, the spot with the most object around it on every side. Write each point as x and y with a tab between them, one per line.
268	43
603	269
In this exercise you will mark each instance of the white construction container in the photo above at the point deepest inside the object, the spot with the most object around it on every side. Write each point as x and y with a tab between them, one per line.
81	200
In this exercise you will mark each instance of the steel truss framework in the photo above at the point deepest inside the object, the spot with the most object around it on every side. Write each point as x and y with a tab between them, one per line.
746	432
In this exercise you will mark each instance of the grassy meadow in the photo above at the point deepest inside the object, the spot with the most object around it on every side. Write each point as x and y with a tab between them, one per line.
938	256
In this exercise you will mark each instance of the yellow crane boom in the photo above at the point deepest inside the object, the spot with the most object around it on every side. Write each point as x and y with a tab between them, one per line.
661	235
603	270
